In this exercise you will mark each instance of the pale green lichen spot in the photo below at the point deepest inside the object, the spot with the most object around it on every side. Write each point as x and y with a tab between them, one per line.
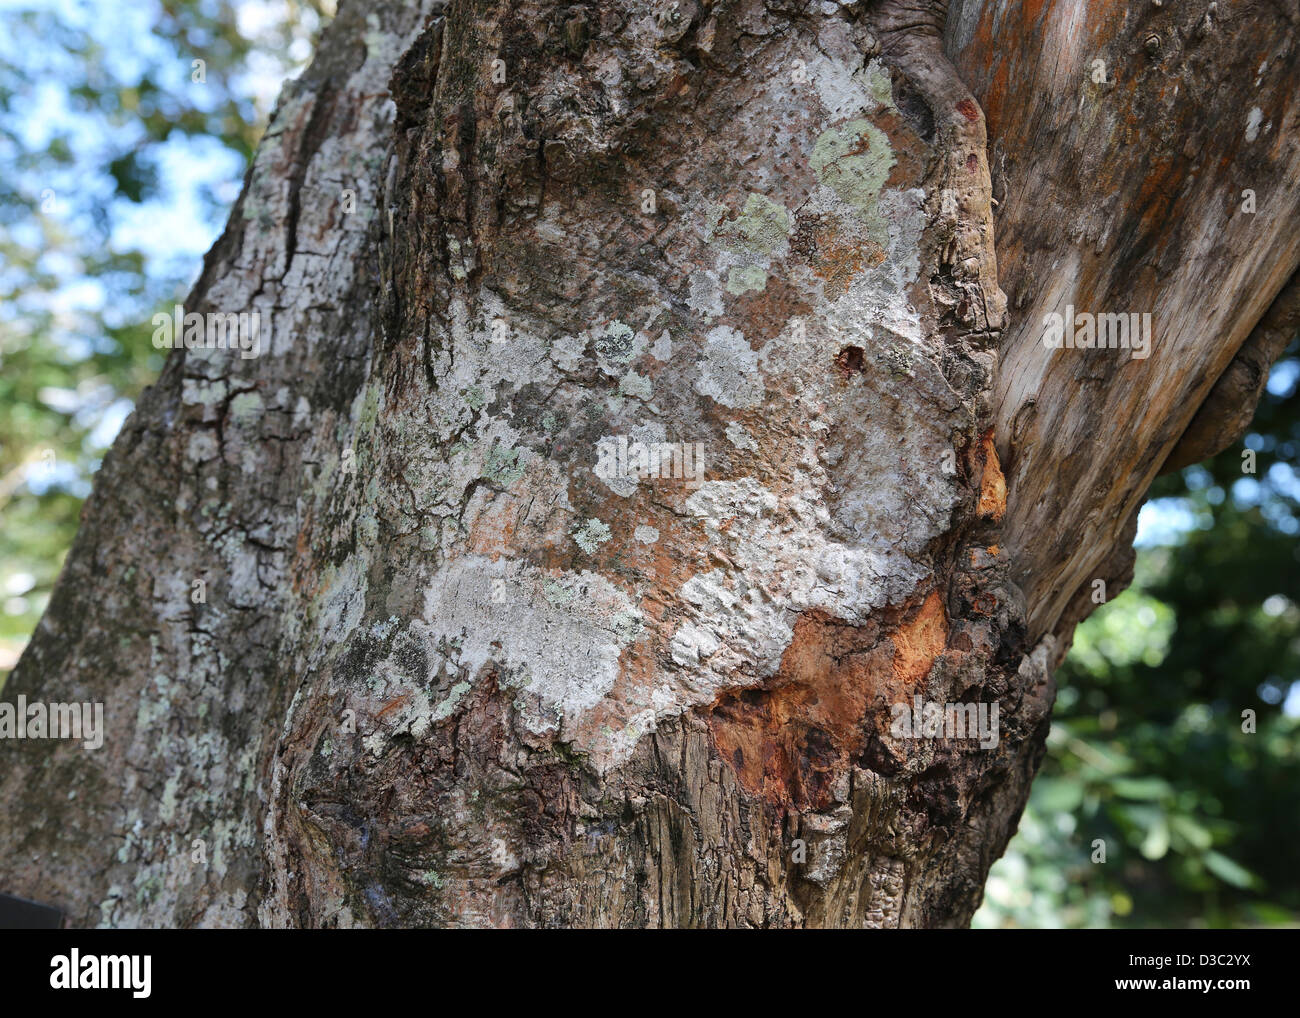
854	161
742	280
591	535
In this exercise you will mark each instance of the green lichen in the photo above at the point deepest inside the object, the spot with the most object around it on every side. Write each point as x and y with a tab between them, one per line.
454	696
854	161
454	258
503	466
369	412
591	535
149	888
627	626
570	756
246	409
556	593
167	807
876	80
742	280
759	230
897	362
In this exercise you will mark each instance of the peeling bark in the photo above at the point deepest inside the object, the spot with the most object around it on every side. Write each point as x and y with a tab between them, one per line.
449	672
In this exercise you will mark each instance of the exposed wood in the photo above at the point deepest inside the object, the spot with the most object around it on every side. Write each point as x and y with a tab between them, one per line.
1228	409
1124	195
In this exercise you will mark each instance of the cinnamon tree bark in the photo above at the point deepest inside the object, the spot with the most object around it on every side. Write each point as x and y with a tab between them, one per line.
465	654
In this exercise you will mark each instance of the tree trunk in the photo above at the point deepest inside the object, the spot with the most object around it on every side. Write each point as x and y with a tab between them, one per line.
445	666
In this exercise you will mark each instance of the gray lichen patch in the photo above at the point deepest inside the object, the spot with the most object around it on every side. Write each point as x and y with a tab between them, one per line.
636	386
728	371
616	346
557	637
738	436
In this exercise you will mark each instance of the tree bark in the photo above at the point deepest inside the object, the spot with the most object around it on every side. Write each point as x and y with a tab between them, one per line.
445	671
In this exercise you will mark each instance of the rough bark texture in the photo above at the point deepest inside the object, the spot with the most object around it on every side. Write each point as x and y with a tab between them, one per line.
446	673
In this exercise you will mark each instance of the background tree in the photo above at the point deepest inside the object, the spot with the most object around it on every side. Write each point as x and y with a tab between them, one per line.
443	673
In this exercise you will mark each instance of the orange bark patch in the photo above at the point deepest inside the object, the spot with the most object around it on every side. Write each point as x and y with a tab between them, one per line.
788	743
993	486
839	263
919	641
492	533
393	705
911	154
767	312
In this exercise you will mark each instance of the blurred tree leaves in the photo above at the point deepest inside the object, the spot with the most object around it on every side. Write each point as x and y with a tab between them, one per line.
133	176
105	132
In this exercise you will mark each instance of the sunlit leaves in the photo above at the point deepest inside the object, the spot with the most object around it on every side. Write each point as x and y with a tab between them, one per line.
102	130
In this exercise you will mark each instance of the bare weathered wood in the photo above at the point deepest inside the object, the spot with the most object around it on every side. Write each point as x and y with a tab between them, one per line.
1147	159
1230	405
